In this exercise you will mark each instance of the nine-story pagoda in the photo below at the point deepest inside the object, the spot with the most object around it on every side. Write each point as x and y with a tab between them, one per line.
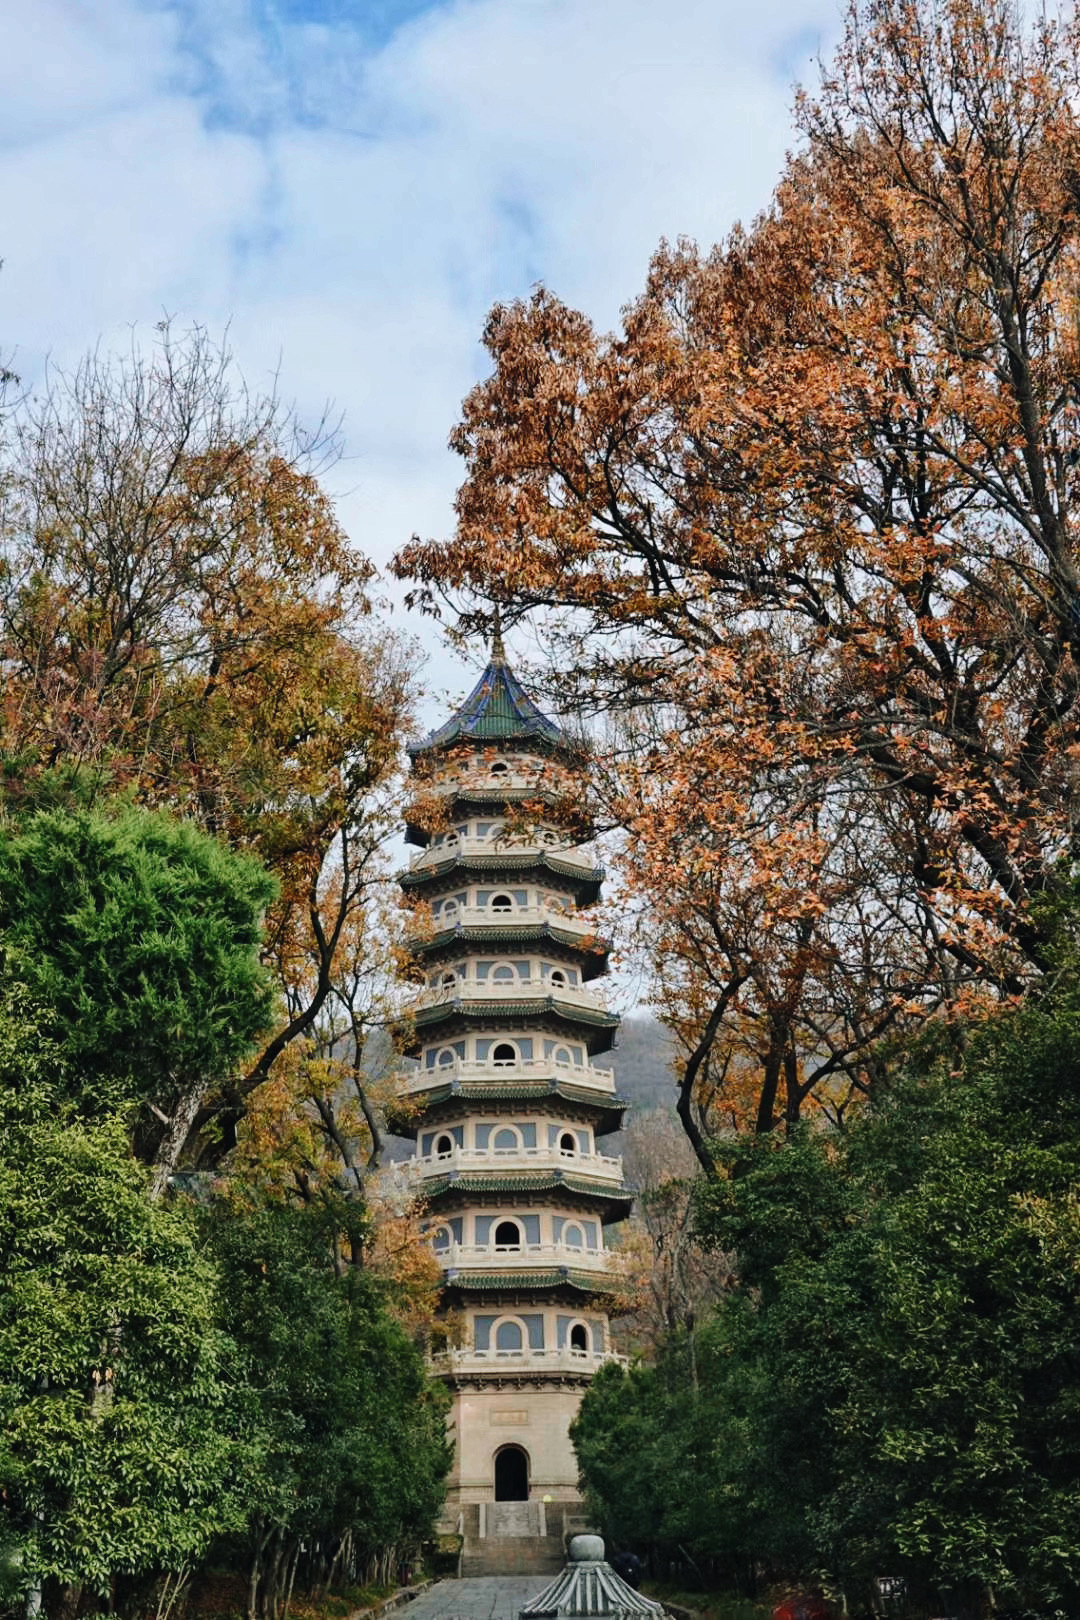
506	1106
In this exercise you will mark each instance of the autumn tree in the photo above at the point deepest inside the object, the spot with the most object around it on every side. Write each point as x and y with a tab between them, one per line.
674	1281
182	618
814	508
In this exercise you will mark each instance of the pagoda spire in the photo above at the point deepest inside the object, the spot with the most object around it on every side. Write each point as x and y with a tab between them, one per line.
498	650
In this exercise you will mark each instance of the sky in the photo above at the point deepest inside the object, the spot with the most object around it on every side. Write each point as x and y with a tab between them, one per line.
347	186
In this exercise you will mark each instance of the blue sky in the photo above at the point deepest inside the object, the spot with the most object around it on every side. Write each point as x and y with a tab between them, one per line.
349	184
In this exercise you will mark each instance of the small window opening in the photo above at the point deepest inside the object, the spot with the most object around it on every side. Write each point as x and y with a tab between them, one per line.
579	1342
444	1146
568	1143
504	1053
508	1235
502	902
508	1336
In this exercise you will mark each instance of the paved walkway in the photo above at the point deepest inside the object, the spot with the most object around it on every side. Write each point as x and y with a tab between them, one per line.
486	1597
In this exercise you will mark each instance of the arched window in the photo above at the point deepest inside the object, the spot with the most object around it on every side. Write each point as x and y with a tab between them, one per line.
579	1340
509	1337
447	1058
562	1056
502	902
503	973
508	1235
507	1140
449	910
448	981
504	1053
444	1146
441	1238
568	1142
558	977
498	767
573	1237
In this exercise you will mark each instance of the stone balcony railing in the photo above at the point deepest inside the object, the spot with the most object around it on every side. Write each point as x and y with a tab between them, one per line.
496	990
493	1361
476	778
490	917
504	1257
596	1166
435	854
494	1072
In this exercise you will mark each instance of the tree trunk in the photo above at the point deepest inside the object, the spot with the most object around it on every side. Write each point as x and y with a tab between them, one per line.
172	1144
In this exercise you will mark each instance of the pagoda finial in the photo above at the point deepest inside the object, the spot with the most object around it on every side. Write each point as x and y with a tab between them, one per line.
498	651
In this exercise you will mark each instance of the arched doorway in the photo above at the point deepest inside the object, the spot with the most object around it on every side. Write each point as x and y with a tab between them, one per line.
511	1475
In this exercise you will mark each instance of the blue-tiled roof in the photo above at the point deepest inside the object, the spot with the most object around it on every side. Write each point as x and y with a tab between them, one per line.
498	709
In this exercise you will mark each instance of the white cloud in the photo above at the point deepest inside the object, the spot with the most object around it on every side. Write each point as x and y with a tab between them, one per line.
354	211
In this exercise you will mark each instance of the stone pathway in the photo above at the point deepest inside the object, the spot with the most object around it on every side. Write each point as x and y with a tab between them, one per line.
487	1597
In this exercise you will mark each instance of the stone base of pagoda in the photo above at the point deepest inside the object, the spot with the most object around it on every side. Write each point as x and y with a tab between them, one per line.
530	1417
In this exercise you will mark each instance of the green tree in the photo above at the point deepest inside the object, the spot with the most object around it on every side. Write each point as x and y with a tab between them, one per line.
120	1439
354	1432
917	1284
893	1385
139	937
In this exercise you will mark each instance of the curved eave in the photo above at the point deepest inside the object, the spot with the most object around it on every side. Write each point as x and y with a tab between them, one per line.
584	882
604	1110
460	1279
590	950
596	1029
613	1203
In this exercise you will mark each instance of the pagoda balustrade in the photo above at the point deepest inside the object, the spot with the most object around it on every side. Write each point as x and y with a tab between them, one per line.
502	916
565	1360
494	1071
508	1257
597	1166
517	989
537	779
438	852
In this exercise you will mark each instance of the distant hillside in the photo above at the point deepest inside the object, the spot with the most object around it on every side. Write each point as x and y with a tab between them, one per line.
643	1063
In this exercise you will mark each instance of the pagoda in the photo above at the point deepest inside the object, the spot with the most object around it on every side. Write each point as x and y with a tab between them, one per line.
506	1107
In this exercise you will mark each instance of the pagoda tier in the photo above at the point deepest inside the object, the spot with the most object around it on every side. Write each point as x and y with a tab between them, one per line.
505	1103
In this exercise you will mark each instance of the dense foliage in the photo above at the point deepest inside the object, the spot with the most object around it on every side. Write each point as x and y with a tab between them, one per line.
182	1378
354	1433
893	1386
140	935
119	1451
